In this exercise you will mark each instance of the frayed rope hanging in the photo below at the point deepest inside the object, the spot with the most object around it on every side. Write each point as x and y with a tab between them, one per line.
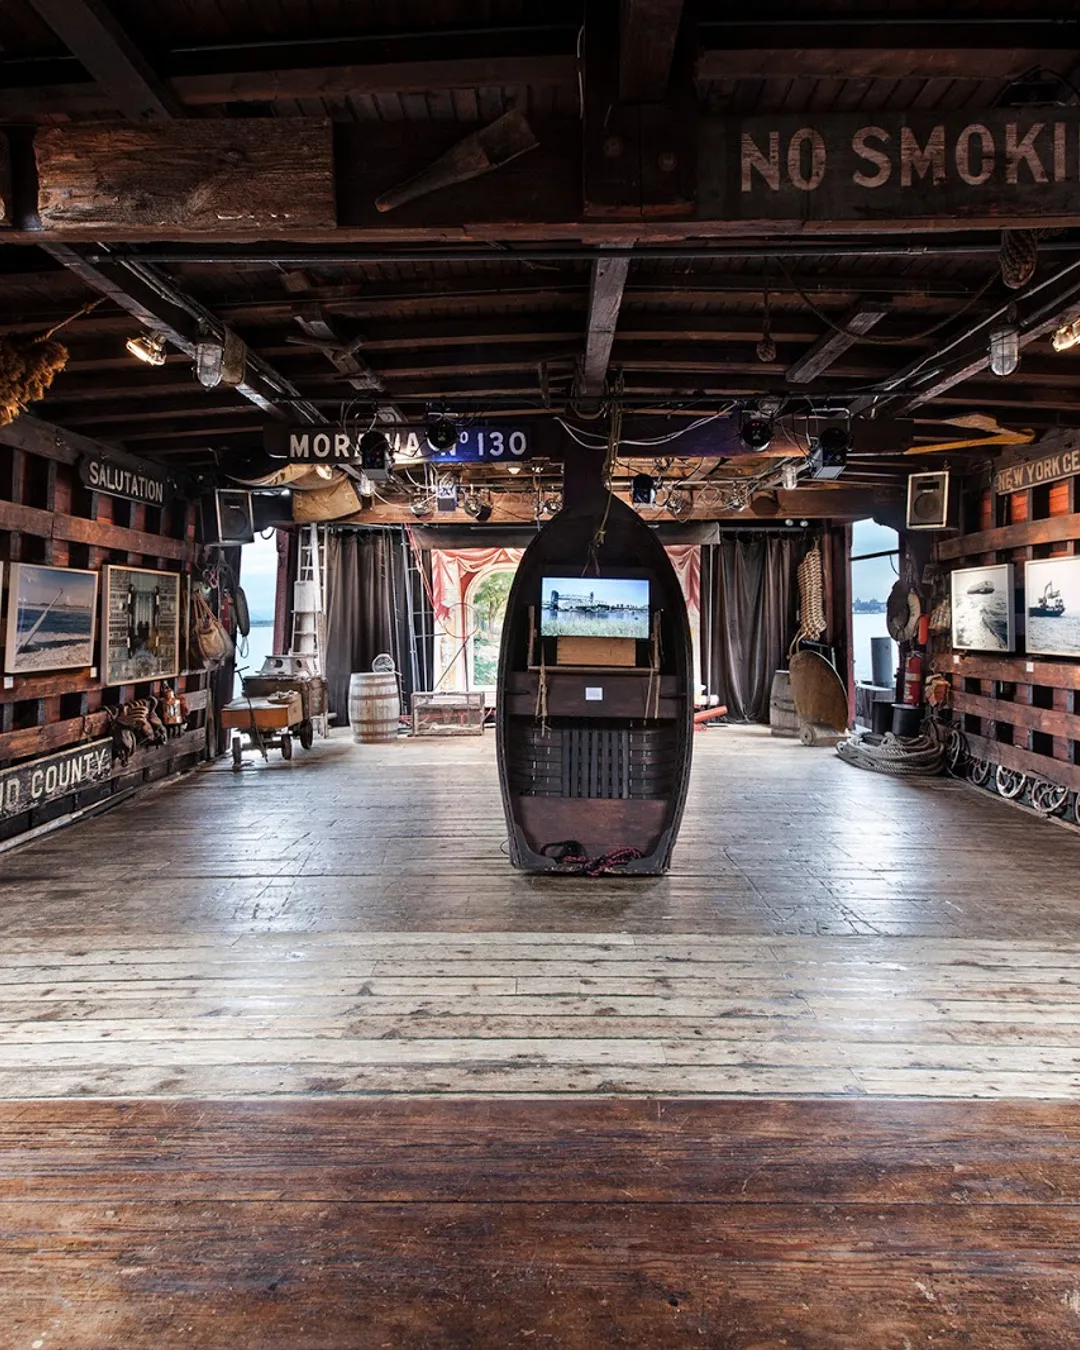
28	367
811	578
1019	256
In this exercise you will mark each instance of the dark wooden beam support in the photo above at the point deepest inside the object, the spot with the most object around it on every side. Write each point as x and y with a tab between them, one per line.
605	300
344	357
647	33
159	305
972	62
833	345
92	33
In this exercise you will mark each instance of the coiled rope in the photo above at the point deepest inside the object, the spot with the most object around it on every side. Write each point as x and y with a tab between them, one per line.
811	578
901	756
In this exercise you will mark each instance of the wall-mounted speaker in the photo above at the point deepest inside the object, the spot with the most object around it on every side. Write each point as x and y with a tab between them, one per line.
227	517
928	501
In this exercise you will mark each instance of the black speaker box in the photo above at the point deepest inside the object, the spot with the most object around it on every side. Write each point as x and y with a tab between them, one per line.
227	517
928	501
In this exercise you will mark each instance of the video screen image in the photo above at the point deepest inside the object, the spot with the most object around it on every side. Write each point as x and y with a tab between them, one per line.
608	607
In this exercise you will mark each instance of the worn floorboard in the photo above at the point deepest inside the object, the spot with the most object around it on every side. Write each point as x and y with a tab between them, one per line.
292	1059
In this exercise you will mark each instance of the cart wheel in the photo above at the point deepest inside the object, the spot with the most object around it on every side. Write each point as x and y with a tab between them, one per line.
1010	782
980	771
237	753
1048	798
306	733
286	746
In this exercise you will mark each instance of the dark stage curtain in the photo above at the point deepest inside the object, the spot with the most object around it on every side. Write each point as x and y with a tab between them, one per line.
371	577
749	604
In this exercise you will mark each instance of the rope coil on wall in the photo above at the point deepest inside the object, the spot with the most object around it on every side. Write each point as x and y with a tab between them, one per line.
811	579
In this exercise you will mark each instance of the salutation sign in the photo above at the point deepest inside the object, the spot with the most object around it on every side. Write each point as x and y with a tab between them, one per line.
995	162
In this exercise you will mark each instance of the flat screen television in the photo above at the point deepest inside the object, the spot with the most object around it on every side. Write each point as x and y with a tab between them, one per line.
607	607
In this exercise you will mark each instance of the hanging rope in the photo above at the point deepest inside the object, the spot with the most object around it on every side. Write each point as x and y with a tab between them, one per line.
766	348
811	578
29	365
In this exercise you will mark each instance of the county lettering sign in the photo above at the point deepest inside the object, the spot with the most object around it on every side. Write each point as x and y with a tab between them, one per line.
1032	472
44	780
891	166
341	445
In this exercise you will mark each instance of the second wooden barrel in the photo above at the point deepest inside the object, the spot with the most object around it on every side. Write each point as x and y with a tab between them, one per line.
783	719
374	706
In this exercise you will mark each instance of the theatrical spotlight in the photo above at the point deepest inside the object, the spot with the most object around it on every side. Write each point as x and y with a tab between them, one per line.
442	435
376	458
474	505
148	347
755	433
828	457
642	489
421	504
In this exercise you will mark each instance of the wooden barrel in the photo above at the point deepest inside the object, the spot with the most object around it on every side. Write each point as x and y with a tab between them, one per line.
783	719
374	706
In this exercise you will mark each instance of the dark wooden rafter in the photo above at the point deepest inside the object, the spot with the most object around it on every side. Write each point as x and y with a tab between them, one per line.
162	307
834	344
92	34
647	33
344	357
605	300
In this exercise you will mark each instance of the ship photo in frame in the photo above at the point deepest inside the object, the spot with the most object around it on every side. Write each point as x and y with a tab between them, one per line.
983	611
1052	601
51	618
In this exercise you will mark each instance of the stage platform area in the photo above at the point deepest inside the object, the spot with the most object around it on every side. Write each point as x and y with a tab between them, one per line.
291	1057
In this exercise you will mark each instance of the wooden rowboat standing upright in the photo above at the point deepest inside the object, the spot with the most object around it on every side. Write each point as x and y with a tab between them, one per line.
594	736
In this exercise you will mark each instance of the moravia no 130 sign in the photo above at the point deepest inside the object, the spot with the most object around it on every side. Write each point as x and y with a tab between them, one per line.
996	162
341	445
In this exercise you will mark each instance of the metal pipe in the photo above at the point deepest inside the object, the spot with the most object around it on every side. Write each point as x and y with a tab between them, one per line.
451	253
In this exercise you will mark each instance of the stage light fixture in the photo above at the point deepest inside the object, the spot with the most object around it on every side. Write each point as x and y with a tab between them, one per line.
376	458
148	347
828	457
442	435
755	433
642	489
679	503
1066	337
420	504
474	505
515	469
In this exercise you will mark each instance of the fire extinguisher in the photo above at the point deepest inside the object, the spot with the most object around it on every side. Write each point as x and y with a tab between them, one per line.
913	677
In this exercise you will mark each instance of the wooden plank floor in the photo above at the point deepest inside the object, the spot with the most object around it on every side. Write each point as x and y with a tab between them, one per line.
573	1224
349	924
292	1059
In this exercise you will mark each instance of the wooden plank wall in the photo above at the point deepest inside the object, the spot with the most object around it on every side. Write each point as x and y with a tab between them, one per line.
48	516
1018	710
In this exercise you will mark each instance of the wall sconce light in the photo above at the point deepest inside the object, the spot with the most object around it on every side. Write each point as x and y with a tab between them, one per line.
148	347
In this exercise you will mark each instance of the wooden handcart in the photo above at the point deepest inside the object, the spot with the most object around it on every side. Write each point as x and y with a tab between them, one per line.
268	722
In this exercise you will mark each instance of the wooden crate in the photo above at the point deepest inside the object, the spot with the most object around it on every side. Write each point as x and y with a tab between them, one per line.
448	714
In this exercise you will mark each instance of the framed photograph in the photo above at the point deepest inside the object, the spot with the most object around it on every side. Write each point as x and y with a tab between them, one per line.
51	618
1052	600
983	609
140	624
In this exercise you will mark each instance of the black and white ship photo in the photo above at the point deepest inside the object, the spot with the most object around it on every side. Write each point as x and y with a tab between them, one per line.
50	618
1052	599
983	611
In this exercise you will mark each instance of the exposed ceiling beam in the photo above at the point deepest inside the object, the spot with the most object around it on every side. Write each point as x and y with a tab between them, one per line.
92	34
309	82
343	356
158	304
605	300
647	33
872	63
834	344
1039	310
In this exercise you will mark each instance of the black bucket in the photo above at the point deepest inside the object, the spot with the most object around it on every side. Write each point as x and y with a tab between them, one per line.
906	720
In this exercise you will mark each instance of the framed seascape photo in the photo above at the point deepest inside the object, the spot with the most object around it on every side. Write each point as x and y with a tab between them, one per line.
1052	600
51	617
983	611
141	625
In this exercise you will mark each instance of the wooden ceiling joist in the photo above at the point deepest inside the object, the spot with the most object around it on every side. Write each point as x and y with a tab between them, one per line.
834	344
125	78
352	367
605	300
647	33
